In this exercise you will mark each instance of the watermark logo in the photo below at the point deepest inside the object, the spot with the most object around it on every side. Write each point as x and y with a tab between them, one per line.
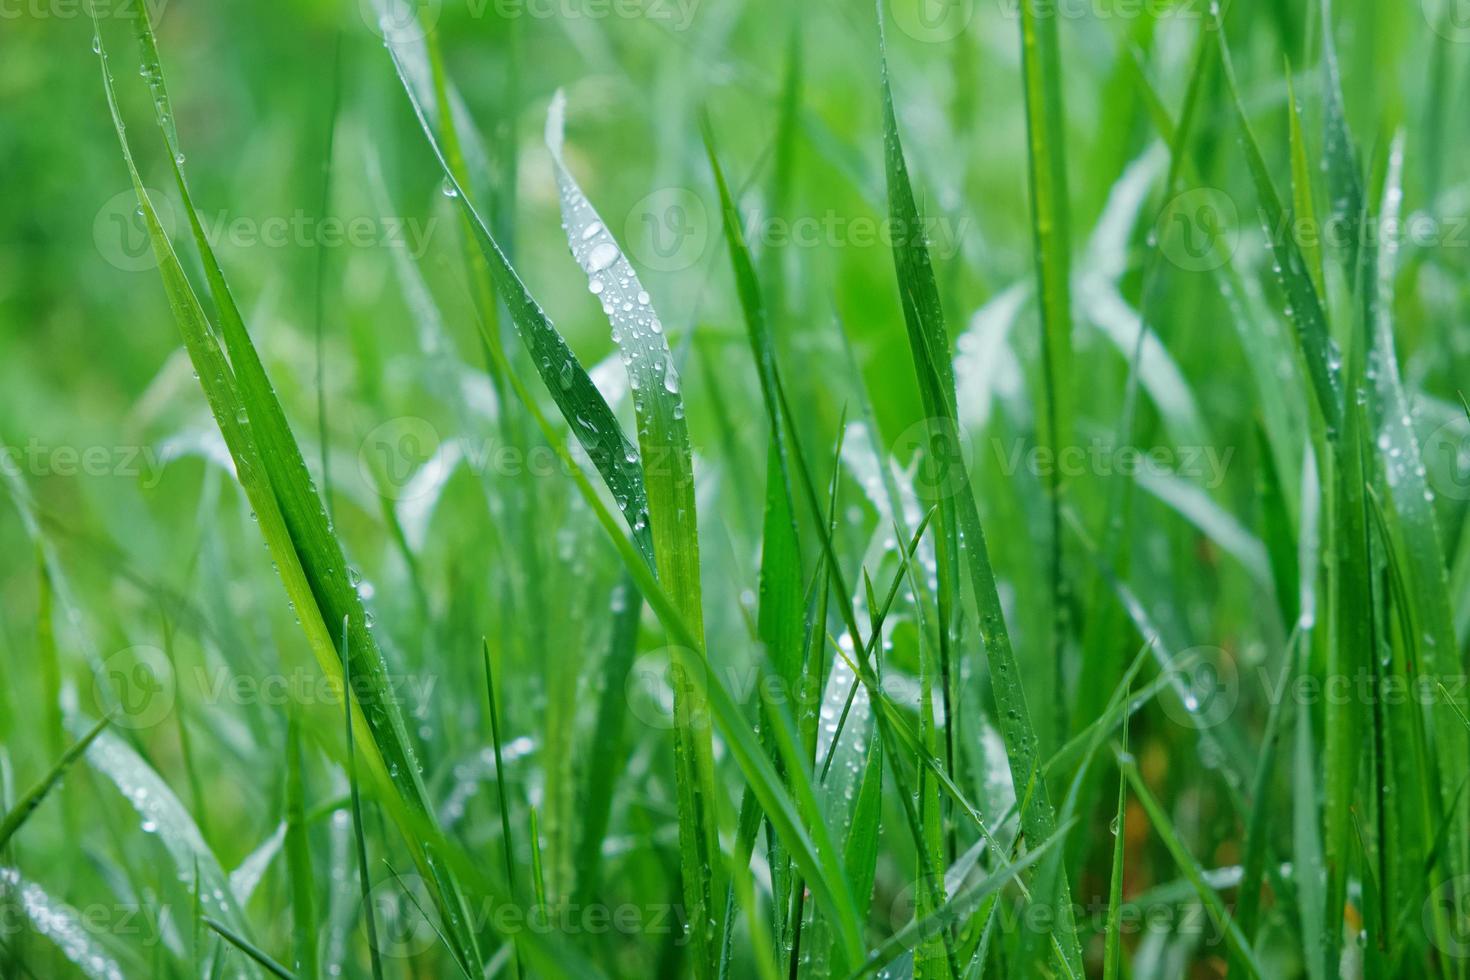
120	231
1446	917
1199	229
1208	689
932	21
400	21
942	455
401	907
664	692
1447	459
393	456
140	682
668	230
1450	19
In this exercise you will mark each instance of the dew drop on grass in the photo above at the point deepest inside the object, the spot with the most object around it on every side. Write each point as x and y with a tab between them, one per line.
603	255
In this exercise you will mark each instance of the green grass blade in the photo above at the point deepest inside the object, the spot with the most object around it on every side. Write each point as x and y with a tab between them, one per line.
501	792
668	477
369	916
298	859
249	949
929	342
33	798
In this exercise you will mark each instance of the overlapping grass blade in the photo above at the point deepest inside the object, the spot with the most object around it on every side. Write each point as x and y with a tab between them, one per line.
270	468
930	347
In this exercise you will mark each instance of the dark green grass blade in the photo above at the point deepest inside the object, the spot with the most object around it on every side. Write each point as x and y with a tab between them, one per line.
501	792
1113	931
298	859
1051	243
1307	312
273	473
606	745
27	804
587	413
930	347
369	917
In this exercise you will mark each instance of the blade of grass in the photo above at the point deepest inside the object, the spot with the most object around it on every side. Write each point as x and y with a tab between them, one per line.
298	859
27	804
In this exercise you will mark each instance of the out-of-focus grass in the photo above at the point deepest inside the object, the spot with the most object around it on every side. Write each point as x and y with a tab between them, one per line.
818	557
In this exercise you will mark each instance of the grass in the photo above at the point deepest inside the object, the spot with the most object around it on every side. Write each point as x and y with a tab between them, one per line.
983	497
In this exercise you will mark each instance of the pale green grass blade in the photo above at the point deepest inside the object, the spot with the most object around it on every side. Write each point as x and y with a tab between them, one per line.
31	908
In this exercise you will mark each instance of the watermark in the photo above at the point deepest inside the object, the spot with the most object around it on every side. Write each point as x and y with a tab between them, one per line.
665	689
932	21
1450	19
1446	917
943	455
1447	459
407	922
410	20
1205	466
79	9
1208	689
140	686
65	461
405	458
1112	10
670	230
139	925
140	682
1199	230
120	231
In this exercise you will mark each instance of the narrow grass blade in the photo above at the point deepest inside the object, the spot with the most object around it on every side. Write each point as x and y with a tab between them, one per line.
249	949
1190	867
668	477
298	859
369	917
928	340
27	804
501	793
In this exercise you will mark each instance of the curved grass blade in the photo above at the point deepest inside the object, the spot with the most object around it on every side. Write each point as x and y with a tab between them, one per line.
273	473
587	413
1190	867
59	923
668	477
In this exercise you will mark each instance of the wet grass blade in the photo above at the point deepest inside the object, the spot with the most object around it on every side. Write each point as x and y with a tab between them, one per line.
587	413
1190	868
929	342
668	478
